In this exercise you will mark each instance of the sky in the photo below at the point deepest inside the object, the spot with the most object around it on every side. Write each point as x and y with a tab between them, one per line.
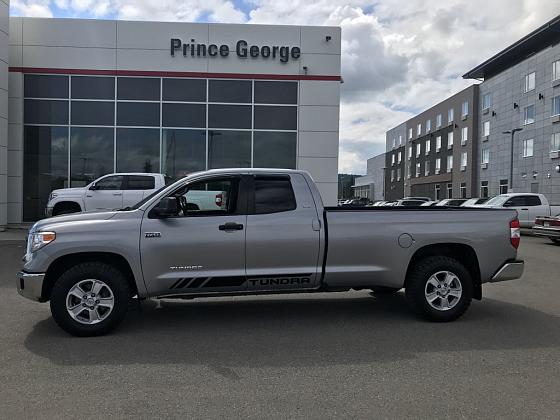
399	57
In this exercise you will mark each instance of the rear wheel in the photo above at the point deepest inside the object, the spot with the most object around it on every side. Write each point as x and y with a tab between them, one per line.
90	299
556	241
439	288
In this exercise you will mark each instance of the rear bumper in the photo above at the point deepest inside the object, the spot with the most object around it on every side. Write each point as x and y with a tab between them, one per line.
509	271
30	285
546	232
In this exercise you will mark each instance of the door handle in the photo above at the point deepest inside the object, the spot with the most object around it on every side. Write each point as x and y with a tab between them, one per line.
117	193
524	209
231	226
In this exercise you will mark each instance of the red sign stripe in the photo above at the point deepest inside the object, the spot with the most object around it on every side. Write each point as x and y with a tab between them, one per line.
173	74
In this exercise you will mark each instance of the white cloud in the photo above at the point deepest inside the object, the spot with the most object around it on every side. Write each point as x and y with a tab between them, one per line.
398	56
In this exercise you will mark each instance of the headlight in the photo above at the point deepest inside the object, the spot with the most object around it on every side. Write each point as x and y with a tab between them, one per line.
38	240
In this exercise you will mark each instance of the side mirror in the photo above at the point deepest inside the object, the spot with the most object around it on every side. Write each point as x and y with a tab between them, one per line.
167	207
93	187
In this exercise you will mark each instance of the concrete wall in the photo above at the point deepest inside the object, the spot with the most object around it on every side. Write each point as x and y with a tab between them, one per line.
506	89
145	46
4	31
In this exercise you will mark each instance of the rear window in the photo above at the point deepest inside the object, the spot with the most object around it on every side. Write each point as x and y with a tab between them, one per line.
532	200
273	195
140	182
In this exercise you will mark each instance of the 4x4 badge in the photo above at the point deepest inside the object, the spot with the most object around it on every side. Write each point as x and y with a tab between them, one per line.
153	234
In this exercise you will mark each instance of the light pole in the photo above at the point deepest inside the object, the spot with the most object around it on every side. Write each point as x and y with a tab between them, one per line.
512	132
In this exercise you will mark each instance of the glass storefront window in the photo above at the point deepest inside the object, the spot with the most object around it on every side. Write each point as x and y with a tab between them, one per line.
231	91
138	88
90	87
229	116
276	92
185	90
137	150
91	154
45	86
139	114
93	113
229	149
183	152
45	112
183	115
274	150
45	167
276	117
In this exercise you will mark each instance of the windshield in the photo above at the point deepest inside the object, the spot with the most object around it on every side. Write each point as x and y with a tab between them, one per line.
497	201
145	199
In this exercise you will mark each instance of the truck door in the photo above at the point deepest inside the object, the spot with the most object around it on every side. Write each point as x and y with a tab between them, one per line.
536	208
283	234
201	250
105	194
519	203
135	186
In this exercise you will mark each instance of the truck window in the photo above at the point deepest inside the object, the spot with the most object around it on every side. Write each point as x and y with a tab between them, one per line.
532	200
110	183
140	182
273	195
217	196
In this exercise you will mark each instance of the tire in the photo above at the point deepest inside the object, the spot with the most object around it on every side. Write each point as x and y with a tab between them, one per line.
66	208
384	291
555	241
101	312
455	288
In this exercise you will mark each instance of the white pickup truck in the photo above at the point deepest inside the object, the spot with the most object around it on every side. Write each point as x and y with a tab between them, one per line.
529	206
112	191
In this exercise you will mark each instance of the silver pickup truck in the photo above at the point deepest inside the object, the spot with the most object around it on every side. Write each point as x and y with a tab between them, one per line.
271	234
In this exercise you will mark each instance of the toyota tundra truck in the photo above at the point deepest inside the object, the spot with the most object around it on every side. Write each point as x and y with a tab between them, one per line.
270	234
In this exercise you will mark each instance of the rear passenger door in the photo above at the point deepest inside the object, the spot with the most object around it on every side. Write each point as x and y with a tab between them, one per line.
136	187
283	234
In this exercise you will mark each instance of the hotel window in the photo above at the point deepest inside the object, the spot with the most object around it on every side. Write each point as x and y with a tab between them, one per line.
428	125
486	101
400	139
504	186
437	192
438	120
392	159
465	109
410	133
417	169
556	70
438	166
418	149
392	175
410	153
555	142
556	105
486	128
450	190
399	157
484	189
427	168
438	143
398	174
450	116
529	114
449	163
464	135
464	161
419	129
530	82
450	140
463	190
394	143
427	147
528	148
485	156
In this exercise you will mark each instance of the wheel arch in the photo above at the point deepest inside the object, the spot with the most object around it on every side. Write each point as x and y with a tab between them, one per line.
61	264
463	253
67	203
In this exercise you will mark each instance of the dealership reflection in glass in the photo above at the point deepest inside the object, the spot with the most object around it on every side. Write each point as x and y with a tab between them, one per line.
78	128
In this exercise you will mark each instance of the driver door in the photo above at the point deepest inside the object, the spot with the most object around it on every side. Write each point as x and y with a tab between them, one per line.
201	249
106	194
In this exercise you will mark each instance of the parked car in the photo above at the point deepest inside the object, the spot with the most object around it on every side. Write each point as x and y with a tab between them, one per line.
429	203
357	202
418	198
471	202
529	206
112	191
548	227
409	203
268	237
451	202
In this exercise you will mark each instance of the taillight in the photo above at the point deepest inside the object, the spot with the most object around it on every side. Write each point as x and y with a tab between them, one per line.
515	233
539	222
219	200
555	222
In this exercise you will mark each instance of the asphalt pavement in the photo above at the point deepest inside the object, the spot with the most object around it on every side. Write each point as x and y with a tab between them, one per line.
340	355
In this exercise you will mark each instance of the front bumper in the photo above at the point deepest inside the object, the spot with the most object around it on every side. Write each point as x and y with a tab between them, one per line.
30	285
509	271
546	232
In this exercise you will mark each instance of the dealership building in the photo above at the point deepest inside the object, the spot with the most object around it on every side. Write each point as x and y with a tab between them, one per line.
83	98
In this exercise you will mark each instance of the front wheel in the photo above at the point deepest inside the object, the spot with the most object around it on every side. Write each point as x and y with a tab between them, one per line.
90	299
556	241
439	288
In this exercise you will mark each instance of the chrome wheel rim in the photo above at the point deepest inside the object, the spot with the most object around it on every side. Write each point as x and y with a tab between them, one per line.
90	301
443	290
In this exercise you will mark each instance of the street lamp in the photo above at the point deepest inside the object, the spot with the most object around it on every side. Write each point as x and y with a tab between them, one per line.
512	132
